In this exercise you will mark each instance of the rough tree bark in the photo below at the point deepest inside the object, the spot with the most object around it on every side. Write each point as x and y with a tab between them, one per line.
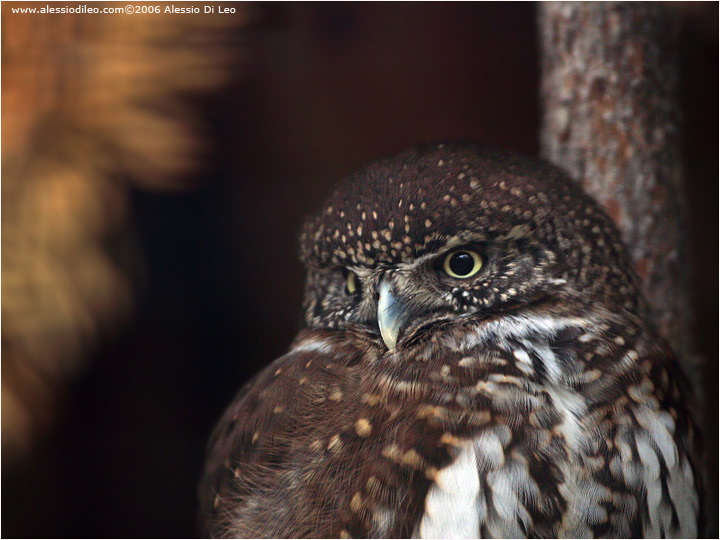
610	118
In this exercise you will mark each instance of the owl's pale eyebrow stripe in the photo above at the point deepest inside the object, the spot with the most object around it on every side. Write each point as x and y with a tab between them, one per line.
420	260
364	272
452	243
361	272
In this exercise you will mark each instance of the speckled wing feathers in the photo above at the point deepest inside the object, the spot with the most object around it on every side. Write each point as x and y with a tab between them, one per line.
304	444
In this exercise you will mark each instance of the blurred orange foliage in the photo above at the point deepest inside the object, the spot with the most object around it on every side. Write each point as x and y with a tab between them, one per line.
90	102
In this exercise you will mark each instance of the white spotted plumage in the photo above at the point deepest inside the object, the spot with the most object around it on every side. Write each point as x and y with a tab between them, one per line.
456	505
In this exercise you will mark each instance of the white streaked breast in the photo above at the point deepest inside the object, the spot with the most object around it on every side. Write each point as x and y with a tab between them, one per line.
454	504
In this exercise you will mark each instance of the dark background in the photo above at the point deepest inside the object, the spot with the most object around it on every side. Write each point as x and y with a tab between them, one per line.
327	88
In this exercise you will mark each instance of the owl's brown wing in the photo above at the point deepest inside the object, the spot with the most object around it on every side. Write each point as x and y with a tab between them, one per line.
220	447
296	454
241	492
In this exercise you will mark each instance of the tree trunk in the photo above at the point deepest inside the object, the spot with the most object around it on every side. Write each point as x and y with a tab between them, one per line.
610	118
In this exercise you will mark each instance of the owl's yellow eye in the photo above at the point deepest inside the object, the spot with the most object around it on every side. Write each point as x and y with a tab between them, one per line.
462	263
351	283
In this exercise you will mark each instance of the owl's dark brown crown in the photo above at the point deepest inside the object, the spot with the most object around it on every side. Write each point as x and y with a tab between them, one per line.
401	208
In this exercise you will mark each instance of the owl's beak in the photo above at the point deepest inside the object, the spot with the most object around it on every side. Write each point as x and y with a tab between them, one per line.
391	315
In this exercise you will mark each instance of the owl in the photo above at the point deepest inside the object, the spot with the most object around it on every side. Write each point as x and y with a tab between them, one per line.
476	360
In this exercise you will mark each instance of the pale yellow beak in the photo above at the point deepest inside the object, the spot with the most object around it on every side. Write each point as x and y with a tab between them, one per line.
391	315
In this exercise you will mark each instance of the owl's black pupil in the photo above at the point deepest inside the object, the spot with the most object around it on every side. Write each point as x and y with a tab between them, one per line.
462	263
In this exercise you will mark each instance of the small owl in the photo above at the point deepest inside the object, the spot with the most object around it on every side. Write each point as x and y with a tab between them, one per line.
476	361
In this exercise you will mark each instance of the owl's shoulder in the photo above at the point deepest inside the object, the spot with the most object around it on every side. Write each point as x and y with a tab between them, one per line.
279	443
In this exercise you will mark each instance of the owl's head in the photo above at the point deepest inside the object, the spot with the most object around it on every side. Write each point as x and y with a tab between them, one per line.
450	232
